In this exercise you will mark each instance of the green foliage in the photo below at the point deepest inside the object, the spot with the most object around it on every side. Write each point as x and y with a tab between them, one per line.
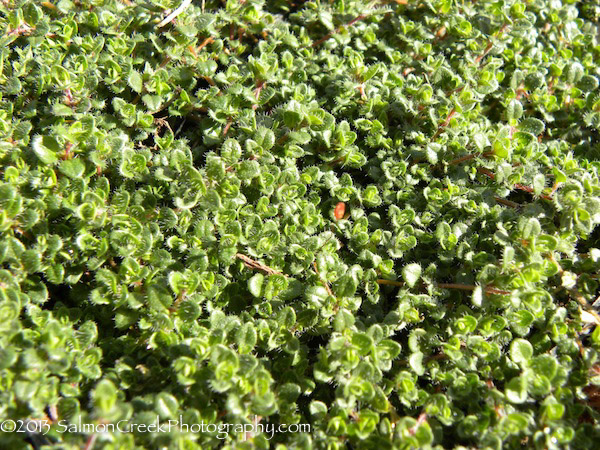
172	240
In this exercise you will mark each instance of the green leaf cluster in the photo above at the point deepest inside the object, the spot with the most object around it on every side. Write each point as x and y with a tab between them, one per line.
170	242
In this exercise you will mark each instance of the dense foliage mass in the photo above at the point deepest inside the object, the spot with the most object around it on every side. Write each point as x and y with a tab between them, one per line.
377	218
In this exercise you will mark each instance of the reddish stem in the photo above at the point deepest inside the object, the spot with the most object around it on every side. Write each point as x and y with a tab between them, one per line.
505	202
390	282
210	81
90	442
420	421
259	87
444	124
485	52
489	46
518	186
361	89
467	287
205	43
226	129
486	172
408	70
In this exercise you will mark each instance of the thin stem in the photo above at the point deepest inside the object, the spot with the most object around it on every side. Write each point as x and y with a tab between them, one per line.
184	5
505	202
444	124
462	159
485	52
205	42
90	442
469	157
470	287
462	287
226	129
390	282
325	283
489	46
256	265
210	81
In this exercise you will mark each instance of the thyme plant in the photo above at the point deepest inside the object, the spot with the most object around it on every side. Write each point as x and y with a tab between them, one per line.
377	218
